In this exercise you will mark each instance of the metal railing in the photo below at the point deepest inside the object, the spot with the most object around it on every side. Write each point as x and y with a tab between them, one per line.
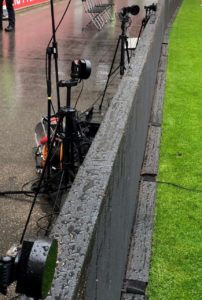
98	12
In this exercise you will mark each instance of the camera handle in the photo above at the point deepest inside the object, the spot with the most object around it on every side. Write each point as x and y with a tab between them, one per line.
68	84
123	39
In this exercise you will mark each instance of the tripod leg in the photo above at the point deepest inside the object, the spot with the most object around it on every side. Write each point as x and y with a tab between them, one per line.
110	72
124	48
49	91
68	145
127	51
140	32
122	60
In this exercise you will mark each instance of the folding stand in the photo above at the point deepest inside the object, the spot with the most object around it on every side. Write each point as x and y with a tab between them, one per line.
97	11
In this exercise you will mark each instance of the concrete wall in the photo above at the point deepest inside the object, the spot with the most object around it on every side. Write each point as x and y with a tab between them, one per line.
95	223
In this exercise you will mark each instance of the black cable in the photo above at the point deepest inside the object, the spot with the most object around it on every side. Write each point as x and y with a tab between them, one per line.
5	193
178	186
98	98
28	192
41	218
46	57
58	192
15	193
79	94
65	11
11	197
28	182
54	212
40	182
46	60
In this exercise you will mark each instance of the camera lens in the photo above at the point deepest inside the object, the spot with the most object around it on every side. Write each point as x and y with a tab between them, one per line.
81	69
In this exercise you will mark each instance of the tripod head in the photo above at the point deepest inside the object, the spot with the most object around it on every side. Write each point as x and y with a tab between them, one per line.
124	19
80	69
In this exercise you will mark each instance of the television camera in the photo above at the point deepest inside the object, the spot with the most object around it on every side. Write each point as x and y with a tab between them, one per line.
72	136
31	265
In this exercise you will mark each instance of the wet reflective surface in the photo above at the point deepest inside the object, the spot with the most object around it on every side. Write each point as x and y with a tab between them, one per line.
23	97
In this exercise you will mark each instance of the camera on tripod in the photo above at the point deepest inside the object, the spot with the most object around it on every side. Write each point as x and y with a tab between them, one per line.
133	10
32	266
73	137
152	7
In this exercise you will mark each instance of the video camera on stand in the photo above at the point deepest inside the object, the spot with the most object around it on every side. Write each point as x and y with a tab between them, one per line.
32	266
74	135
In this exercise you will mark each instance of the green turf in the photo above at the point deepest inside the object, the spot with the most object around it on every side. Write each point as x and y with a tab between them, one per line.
176	266
49	268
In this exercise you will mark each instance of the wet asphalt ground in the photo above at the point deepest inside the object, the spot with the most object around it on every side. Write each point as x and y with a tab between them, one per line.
23	96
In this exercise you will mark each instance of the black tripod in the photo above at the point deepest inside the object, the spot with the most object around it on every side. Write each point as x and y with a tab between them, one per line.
73	137
148	10
68	147
123	40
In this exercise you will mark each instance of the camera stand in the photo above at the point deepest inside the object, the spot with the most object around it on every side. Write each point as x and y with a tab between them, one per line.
62	153
123	40
145	20
67	147
69	114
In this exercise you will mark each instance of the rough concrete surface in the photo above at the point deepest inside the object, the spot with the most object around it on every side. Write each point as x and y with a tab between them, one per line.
133	297
150	164
139	258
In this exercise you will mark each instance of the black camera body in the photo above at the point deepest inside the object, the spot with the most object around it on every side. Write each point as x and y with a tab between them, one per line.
152	7
32	266
133	10
81	69
125	11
